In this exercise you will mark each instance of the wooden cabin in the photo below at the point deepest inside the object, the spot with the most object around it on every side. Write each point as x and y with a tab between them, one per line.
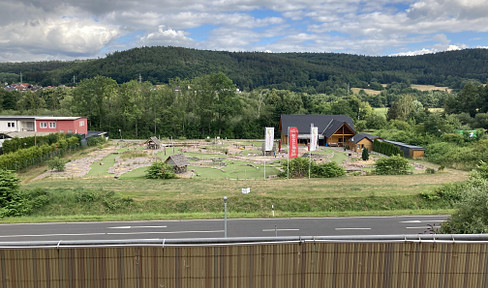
361	141
153	143
179	162
334	130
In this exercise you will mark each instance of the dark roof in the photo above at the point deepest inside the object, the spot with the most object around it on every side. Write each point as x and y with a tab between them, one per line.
95	134
360	136
179	160
400	144
327	124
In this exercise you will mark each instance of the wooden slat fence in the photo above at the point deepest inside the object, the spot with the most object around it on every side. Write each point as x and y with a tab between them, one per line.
273	265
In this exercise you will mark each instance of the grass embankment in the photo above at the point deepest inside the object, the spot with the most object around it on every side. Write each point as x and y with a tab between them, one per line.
94	199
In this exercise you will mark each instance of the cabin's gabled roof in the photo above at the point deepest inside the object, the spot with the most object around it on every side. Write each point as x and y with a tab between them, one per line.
153	139
178	160
327	124
360	136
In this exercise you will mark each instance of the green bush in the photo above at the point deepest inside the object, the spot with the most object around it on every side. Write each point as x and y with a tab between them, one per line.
472	214
299	167
10	200
56	163
95	141
160	170
328	170
394	165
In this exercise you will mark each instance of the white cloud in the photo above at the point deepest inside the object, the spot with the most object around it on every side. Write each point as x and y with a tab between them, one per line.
69	28
166	37
69	35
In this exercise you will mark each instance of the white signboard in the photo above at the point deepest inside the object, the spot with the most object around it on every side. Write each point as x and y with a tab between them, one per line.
314	136
269	139
246	190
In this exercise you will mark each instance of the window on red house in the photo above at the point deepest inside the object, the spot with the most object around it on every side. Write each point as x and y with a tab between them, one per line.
52	124
43	125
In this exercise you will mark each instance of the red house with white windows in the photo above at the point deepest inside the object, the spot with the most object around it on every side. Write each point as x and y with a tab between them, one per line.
23	126
77	125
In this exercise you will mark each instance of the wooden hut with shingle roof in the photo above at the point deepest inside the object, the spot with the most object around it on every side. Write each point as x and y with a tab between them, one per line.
179	162
153	143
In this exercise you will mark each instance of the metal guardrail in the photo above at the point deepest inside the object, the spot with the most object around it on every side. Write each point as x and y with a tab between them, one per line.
450	238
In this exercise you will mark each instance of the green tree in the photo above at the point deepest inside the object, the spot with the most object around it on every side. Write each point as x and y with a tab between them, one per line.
365	154
93	97
401	108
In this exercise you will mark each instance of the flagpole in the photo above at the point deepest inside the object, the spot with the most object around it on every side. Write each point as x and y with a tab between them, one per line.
288	157
310	150
264	154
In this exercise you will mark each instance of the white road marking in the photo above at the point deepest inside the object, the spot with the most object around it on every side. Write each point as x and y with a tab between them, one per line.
111	233
165	232
136	227
352	228
52	235
286	229
422	221
419	227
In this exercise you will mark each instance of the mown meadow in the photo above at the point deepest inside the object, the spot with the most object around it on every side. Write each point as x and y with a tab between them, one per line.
223	170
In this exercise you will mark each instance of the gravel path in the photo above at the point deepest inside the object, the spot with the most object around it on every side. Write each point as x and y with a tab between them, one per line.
79	167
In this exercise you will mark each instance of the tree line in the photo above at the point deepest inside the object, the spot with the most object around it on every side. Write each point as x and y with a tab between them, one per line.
300	72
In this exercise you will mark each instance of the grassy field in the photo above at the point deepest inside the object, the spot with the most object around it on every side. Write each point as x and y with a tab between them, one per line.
98	196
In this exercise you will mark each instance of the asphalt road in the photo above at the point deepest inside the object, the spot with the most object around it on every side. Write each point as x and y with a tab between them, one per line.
395	225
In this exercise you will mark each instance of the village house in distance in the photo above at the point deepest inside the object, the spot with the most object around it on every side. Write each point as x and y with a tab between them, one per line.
24	126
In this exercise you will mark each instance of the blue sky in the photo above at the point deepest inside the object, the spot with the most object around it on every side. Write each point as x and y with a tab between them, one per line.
65	30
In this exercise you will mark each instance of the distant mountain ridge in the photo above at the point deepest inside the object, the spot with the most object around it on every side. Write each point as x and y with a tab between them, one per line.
311	72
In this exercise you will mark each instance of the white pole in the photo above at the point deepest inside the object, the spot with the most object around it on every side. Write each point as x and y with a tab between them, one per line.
310	150
288	157
309	162
225	216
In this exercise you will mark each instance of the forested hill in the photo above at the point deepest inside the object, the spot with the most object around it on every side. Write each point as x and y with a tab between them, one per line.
313	72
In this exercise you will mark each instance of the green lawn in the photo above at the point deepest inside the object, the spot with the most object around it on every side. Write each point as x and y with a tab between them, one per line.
132	197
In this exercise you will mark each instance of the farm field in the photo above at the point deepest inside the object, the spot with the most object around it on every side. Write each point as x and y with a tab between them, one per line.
415	86
113	187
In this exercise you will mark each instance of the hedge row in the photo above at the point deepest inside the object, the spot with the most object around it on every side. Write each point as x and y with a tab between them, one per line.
386	148
16	144
24	158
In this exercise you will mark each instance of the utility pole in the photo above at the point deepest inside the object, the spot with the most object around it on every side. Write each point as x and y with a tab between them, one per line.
20	77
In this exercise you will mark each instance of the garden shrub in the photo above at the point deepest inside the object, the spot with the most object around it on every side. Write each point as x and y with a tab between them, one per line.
298	168
160	170
56	163
328	170
394	165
